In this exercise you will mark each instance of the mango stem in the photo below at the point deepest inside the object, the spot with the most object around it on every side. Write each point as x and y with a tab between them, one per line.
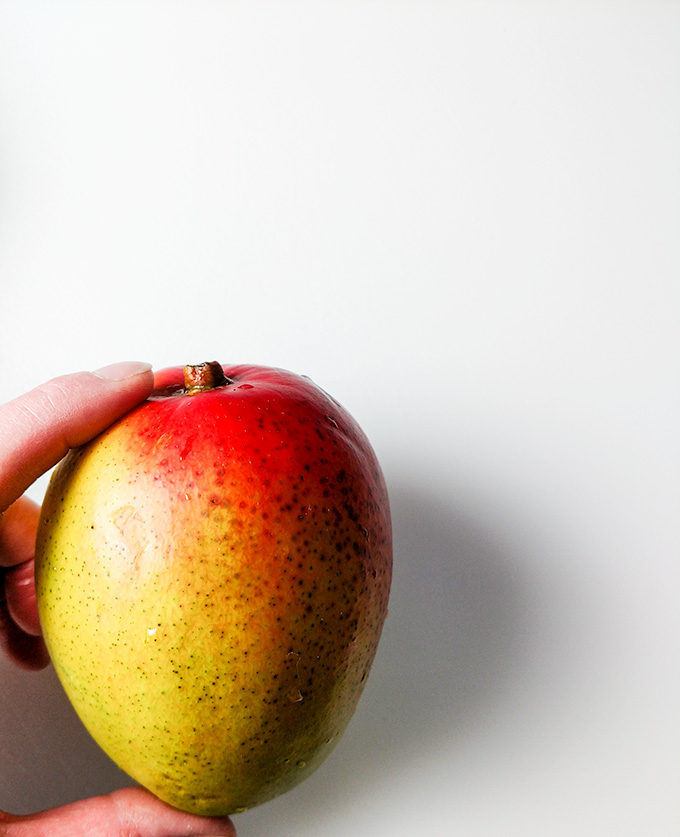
204	376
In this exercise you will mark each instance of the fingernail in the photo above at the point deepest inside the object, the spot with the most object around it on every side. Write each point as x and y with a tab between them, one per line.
121	371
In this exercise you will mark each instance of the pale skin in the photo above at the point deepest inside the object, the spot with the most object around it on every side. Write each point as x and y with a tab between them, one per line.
36	430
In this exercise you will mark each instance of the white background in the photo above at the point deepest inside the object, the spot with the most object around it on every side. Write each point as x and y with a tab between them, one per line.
462	219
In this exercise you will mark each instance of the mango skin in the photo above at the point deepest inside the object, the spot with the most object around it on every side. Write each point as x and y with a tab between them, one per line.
212	577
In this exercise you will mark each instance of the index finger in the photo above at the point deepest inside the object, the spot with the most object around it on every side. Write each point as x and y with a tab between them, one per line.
38	428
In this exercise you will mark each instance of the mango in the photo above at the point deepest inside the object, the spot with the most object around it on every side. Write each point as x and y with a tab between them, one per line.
213	574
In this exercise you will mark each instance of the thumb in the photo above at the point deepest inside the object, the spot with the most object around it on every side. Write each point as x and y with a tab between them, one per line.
38	428
118	814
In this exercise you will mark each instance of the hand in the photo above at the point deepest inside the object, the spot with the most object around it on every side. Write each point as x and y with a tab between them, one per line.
36	430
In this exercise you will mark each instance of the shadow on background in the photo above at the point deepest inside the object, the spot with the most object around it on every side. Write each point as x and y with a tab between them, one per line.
456	639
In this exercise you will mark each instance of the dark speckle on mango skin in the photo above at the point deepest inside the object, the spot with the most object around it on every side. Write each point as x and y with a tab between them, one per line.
213	575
